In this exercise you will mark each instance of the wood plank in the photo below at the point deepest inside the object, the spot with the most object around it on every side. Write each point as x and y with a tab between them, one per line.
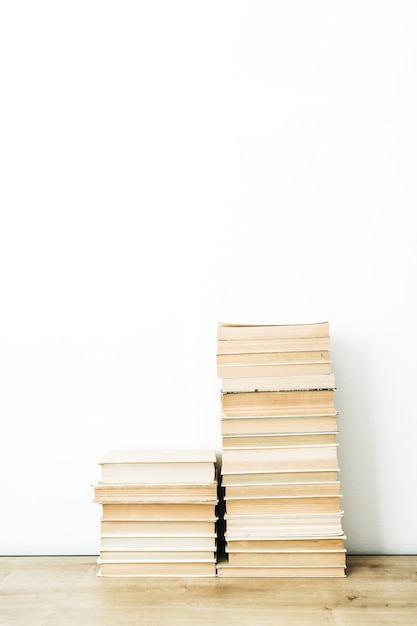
45	591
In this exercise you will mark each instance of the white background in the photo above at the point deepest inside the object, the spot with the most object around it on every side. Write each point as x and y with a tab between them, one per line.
166	165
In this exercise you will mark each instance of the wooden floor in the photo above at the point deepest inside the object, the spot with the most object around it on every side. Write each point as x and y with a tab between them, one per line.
61	591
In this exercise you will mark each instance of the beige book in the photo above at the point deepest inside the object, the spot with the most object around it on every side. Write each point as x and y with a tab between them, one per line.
278	403
249	332
196	568
279	526
310	544
163	493
281	439
283	559
160	543
274	490
273	425
225	570
158	527
267	478
282	505
285	344
158	466
163	556
274	370
280	459
273	358
163	511
302	382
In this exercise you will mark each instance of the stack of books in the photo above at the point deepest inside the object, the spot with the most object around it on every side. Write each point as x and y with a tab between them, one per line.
158	513
280	473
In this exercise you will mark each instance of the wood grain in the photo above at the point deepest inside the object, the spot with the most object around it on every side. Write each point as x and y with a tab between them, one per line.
46	591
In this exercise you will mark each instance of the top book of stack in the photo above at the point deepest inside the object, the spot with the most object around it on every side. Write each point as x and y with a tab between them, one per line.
169	467
133	476
286	357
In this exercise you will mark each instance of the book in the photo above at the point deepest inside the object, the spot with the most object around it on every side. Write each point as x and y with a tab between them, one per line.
179	568
158	542
258	478
306	382
258	346
278	526
282	505
280	459
278	403
274	425
156	556
283	559
287	544
240	571
186	527
158	466
279	439
272	358
290	489
154	511
250	332
106	493
274	370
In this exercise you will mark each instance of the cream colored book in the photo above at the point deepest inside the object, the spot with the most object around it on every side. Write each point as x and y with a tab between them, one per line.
277	459
285	344
273	358
282	505
274	370
158	543
278	403
274	425
156	556
162	511
249	332
106	493
257	478
158	527
279	526
286	544
302	382
274	490
284	559
241	571
280	439
158	466
184	568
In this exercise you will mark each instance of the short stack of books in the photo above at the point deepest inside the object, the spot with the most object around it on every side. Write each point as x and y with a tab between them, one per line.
158	513
279	452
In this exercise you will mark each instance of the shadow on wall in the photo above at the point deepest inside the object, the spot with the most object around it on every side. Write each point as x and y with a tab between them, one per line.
357	450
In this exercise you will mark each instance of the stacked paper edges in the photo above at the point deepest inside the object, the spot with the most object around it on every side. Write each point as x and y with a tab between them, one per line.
280	473
158	513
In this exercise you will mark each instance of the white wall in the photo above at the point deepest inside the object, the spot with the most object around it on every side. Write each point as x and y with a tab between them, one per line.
167	165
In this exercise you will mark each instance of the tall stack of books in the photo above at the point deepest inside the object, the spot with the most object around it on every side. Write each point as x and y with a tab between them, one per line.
158	513
279	452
